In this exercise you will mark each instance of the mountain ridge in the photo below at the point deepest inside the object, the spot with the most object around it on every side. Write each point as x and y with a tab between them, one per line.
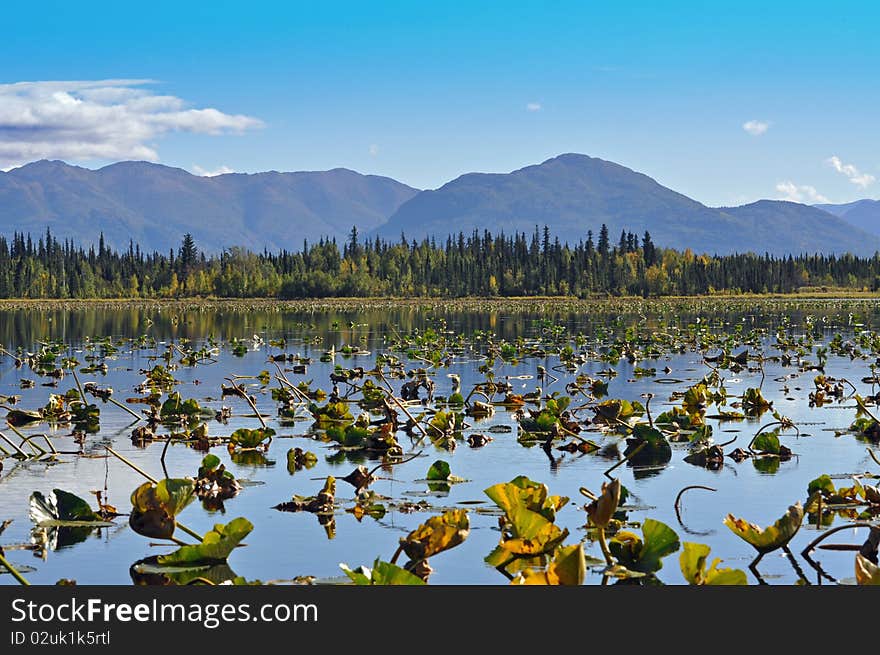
574	193
571	193
863	214
156	204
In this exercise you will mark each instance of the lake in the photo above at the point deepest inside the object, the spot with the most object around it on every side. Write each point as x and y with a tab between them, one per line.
616	341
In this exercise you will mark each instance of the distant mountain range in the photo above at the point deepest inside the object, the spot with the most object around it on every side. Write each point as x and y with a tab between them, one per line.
155	205
573	193
863	214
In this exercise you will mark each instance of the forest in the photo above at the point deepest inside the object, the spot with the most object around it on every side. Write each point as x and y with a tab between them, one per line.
478	264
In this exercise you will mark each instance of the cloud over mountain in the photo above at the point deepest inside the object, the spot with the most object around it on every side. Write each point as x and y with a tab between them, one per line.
99	119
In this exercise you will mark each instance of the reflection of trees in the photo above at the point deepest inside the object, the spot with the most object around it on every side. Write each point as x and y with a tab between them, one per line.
24	325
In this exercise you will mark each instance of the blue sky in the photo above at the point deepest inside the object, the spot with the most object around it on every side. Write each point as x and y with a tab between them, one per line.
726	102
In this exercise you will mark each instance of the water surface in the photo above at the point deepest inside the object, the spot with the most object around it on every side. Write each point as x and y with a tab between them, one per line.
286	545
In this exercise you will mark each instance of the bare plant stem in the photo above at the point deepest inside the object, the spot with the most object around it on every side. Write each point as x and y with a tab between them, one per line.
604	546
677	504
627	458
810	546
15	574
191	533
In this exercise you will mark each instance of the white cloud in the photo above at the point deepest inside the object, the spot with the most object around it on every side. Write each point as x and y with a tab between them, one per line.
534	106
374	150
858	178
101	119
756	128
203	172
800	193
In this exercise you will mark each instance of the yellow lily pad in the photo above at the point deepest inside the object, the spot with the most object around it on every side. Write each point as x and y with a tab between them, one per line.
867	573
768	539
568	567
693	567
437	534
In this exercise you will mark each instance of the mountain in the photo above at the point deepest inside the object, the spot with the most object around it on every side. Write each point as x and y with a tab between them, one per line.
863	214
155	205
795	228
574	193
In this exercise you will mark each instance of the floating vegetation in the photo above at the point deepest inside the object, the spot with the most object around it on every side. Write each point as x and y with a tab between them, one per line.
693	567
417	406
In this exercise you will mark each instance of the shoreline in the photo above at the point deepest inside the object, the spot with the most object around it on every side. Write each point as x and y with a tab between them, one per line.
468	302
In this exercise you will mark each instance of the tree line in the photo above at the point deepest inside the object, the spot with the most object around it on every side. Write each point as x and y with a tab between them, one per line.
478	264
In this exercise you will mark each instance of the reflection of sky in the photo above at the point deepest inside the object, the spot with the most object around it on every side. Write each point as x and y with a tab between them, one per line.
287	545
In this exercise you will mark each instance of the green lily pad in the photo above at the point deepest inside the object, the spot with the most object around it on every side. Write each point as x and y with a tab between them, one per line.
249	439
656	449
532	533
382	573
767	443
62	508
154	506
524	493
149	572
644	554
693	568
215	547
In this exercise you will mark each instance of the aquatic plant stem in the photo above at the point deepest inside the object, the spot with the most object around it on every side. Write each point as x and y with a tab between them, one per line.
812	545
627	458
82	394
396	554
405	411
131	465
27	440
243	394
127	409
677	504
603	544
11	443
191	533
15	574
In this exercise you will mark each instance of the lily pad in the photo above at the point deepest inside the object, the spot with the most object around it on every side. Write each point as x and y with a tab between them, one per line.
215	547
867	573
644	554
521	492
62	508
602	510
767	443
149	572
154	506
766	540
693	568
250	439
568	567
437	534
656	449
382	573
440	472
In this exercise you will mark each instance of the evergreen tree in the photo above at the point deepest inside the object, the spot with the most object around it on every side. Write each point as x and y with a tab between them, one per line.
187	258
603	245
650	253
